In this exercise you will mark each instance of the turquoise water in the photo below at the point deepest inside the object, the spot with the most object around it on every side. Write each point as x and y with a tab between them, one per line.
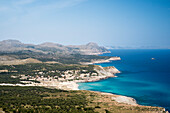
146	80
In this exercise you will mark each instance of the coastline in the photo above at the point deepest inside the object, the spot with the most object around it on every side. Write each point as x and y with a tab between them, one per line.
121	98
117	98
104	73
73	85
101	61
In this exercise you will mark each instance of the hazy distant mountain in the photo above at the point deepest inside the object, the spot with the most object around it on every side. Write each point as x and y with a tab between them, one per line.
51	48
138	47
90	48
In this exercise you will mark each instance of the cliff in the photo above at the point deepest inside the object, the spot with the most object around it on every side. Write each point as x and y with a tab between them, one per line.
106	71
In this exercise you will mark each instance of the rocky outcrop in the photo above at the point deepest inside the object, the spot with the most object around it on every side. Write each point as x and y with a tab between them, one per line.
111	69
106	71
125	99
103	73
101	61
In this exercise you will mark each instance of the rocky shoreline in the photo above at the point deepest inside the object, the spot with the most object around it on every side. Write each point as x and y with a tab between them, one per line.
119	98
103	73
101	61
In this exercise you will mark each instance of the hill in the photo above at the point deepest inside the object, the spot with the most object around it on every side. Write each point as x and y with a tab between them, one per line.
51	48
53	52
12	61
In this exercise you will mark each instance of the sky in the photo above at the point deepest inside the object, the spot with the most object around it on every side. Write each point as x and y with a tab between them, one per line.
72	22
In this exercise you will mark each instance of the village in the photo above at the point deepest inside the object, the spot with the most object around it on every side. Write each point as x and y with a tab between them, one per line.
61	76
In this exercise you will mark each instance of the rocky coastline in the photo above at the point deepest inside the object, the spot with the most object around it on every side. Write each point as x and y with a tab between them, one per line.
104	73
101	61
120	98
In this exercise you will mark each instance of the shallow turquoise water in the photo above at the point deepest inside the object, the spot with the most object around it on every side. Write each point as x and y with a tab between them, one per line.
146	80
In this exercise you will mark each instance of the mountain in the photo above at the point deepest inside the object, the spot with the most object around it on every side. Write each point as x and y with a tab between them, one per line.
89	49
50	52
16	46
52	48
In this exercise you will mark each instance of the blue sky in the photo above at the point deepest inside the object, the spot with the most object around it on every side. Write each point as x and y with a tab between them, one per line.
106	22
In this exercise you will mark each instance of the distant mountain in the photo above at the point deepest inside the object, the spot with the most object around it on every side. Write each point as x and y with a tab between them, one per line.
89	49
138	47
51	48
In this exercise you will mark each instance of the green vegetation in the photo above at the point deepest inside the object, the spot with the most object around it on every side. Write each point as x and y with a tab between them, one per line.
6	78
39	69
65	59
15	99
42	100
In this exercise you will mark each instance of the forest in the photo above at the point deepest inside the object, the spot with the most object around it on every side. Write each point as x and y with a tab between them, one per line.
42	100
17	99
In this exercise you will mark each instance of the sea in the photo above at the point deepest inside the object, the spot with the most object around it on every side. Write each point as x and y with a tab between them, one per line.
145	76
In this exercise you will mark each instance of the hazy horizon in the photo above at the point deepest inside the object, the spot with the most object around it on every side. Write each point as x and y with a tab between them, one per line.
132	23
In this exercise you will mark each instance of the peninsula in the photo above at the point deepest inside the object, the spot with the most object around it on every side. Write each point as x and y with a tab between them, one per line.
51	73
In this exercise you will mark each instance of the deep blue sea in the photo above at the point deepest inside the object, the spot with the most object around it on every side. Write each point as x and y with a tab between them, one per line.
146	80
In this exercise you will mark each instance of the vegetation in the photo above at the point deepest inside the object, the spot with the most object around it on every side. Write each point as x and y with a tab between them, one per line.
43	100
39	69
51	51
15	99
65	59
6	78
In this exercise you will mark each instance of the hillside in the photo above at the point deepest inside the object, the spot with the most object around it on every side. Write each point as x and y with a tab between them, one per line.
43	100
12	61
49	52
51	48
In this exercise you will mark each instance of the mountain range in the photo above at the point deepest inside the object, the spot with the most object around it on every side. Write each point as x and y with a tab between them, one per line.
12	51
52	48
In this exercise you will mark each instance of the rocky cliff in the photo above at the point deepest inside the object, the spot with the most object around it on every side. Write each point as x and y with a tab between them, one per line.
106	71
